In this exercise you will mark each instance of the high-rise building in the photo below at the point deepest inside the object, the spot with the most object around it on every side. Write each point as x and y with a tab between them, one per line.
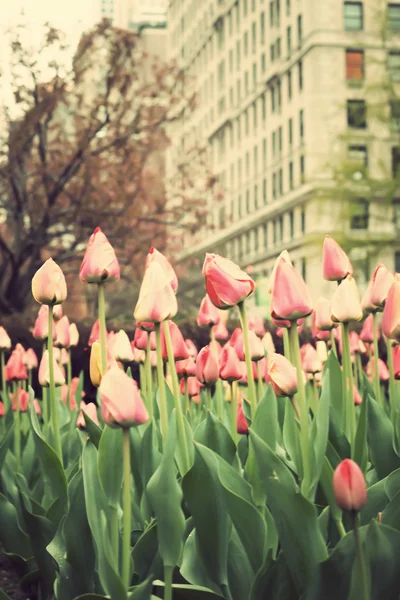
285	93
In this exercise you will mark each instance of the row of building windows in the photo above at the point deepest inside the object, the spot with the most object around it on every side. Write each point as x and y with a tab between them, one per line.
354	16
355	65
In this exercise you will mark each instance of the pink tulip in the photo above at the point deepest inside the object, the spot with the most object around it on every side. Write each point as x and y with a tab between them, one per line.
157	300
30	359
41	327
44	371
356	395
145	326
57	312
356	344
140	338
284	256
153	358
193	352
366	302
290	298
2	410
349	486
73	335
156	256
71	401
391	312
36	406
322	313
94	333
5	342
335	262
322	351
346	304
139	356
121	404
48	284
230	368
15	368
193	386
236	337
178	343
91	411
396	361
100	264
186	367
261	368
96	370
310	359
256	324
226	283
62	332
242	426
220	332
208	314
23	400
318	334
64	357
255	345
207	371
282	375
367	331
268	343
382	281
121	348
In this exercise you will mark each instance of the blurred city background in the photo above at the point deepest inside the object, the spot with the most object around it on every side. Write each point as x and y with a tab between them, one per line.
240	127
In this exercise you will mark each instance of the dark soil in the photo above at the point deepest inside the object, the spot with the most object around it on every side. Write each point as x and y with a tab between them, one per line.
9	581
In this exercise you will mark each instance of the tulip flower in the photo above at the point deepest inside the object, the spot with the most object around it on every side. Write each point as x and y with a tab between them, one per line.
30	359
220	332
157	300
367	331
178	343
226	284
290	298
5	341
208	314
91	411
156	256
282	375
396	362
193	352
145	326
335	262
230	368
256	324
71	401
64	357
382	281
100	264
15	368
57	312
311	361
23	400
41	327
322	313
366	302
284	256
62	332
255	345
242	426
95	366
322	351
383	371
73	335
44	371
2	409
346	304
121	404
207	370
193	386
140	339
349	486
121	349
318	334
48	284
139	356
186	367
94	333
356	396
391	313
356	344
268	343
235	337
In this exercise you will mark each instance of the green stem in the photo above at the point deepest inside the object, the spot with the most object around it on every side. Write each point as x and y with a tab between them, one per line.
187	399
302	402
340	527
208	399
29	378
365	593
161	386
333	342
376	360
349	410
17	432
218	387
143	382
149	380
234	409
250	378
3	381
45	401
286	343
168	572
103	331
69	378
260	383
52	391
392	392
114	525
126	547
177	398
359	371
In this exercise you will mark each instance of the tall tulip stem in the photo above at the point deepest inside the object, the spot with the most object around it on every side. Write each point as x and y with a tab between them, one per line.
168	572
260	384
218	386
149	379
102	322
3	380
376	360
69	378
392	389
17	432
45	400
250	378
177	398
161	386
234	409
348	404
126	546
286	343
333	342
52	390
365	593
303	408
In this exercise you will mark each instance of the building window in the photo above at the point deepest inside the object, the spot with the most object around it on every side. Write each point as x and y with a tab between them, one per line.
272	52
354	64
256	196
289	84
280	140
265	235
353	16
281	228
299	30
239	206
290	128
273	144
254	75
254	37
357	114
288	8
359	214
300	66
262	27
289	40
247	201
396	215
304	268
263	108
302	169
238	55
397	261
248	243
280	182
291	176
394	65
278	48
265	191
274	231
394	17
274	187
303	220
256	240
263	63
279	94
246	43
271	14
291	224
245	8
264	151
301	125
358	155
273	99
395	161
246	82
395	115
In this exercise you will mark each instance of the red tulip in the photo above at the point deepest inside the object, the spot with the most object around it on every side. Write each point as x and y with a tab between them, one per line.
186	367
311	361
41	327
140	339
230	366
220	332
156	256
2	409
73	335
346	304
121	404
242	426
44	371
382	281
290	298
5	342
48	284
335	262
391	312
94	333
282	375
367	331
178	343
30	359
349	486
193	352
15	368
62	333
23	400
226	283
256	324
91	411
100	264
208	314
193	386
207	371
157	300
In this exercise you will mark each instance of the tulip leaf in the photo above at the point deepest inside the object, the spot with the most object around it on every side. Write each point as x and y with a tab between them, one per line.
326	481
12	537
291	437
93	430
392	484
183	591
360	450
192	567
274	581
240	572
165	495
265	421
3	595
380	439
319	434
5	444
382	548
179	447
377	500
109	464
91	597
269	464
333	380
145	555
142	591
135	445
213	434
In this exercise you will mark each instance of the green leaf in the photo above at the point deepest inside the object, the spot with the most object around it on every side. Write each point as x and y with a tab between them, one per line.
192	567
274	581
12	537
3	595
183	591
269	464
377	500
392	484
360	451
109	464
141	591
326	481
93	430
291	437
91	597
145	555
391	514
5	444
382	547
213	434
265	422
319	432
334	384
380	440
240	572
165	496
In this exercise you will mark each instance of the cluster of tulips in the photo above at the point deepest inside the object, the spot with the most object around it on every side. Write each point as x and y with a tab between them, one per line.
231	471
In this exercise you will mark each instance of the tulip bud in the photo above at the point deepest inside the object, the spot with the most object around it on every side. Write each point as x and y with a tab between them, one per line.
268	343
322	351
41	327
121	404
226	283
396	361
20	401
95	366
367	331
71	401
48	284
62	333
242	426
282	375
5	342
145	326
73	335
2	410
346	305
256	324
310	359
322	313
15	368
208	314
121	349
366	303
30	359
140	339
57	312
391	313
207	371
186	367
64	357
290	297
139	356
179	347
157	300
382	281
94	333
220	332
44	371
318	334
193	352
156	256
349	486
100	264
286	258
335	262
230	366
91	411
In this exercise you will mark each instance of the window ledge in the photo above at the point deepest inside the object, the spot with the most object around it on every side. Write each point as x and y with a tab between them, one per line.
355	83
